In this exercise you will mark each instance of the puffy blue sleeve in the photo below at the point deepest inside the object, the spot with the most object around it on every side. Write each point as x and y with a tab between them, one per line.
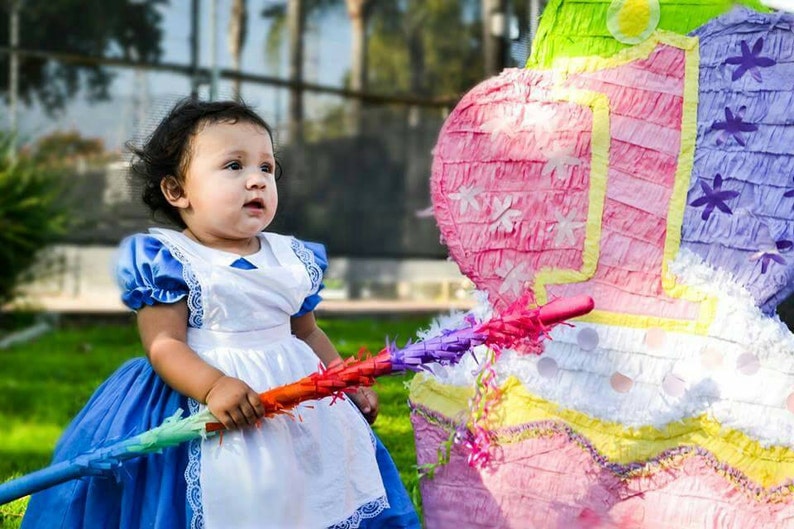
320	263
147	273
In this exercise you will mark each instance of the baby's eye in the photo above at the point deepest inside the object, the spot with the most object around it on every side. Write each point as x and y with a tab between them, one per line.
266	167
234	166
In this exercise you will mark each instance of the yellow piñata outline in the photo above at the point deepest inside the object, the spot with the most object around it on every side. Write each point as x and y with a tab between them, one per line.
766	466
598	182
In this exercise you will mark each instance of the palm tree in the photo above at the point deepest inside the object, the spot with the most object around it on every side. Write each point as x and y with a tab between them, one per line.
291	15
238	31
358	11
296	24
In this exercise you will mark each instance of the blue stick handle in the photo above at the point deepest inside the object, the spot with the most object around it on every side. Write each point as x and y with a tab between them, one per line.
41	479
96	462
172	432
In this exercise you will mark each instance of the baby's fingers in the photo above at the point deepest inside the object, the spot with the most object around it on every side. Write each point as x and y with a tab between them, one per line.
256	405
249	412
232	419
367	401
238	417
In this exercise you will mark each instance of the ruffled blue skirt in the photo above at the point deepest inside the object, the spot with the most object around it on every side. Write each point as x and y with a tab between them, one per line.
150	491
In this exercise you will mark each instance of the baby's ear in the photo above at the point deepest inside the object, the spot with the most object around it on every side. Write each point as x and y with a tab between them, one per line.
174	192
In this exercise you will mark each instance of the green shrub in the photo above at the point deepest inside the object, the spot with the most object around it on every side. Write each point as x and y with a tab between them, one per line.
32	216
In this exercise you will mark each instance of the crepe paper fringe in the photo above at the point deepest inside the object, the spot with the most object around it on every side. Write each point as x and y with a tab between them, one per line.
340	377
174	431
519	324
102	460
516	327
343	376
709	367
478	439
471	433
559	187
578	29
665	466
739	214
767	466
500	131
445	349
528	489
444	452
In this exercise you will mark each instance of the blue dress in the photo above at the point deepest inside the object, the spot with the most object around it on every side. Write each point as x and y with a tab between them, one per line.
275	476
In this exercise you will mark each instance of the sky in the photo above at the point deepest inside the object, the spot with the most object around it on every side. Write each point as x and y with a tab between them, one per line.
138	100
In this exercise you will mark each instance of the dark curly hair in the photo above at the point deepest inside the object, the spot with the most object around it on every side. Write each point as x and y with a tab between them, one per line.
167	151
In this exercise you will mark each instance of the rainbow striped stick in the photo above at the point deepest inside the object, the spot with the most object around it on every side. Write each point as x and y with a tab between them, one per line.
515	325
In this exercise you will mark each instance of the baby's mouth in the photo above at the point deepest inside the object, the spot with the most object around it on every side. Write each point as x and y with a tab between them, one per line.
257	203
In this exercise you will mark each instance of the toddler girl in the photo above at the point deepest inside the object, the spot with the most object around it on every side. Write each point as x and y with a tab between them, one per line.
224	311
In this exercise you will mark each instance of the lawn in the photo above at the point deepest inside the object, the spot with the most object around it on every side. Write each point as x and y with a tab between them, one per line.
45	382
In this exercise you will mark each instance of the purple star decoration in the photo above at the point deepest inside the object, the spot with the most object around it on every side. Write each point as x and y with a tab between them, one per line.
750	61
789	194
733	126
713	198
772	255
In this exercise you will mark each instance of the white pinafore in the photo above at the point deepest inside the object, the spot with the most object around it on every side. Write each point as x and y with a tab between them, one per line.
314	471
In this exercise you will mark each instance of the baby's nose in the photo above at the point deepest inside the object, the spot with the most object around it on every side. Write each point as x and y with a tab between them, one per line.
256	179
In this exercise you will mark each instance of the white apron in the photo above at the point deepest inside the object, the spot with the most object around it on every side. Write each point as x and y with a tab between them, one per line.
313	471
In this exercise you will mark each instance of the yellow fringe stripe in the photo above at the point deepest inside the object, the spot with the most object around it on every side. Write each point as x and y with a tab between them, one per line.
598	182
766	466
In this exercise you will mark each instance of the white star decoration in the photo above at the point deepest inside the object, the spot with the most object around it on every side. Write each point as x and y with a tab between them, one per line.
514	277
467	195
539	116
503	124
557	161
565	228
502	216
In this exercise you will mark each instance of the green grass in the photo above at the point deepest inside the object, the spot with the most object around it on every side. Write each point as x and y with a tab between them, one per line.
43	384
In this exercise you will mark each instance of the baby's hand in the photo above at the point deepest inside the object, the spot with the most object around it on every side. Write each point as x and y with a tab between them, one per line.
367	401
234	403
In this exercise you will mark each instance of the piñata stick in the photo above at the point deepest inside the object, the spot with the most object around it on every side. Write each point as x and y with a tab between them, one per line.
517	324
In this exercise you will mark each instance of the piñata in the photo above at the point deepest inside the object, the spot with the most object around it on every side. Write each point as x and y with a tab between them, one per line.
643	158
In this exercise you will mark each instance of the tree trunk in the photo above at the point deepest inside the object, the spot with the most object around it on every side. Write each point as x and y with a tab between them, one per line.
238	22
357	10
494	28
296	25
416	46
416	177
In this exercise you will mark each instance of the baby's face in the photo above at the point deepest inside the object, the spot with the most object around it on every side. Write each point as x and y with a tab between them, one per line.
230	189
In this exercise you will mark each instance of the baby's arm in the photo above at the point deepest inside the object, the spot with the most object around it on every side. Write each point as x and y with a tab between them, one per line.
163	331
305	327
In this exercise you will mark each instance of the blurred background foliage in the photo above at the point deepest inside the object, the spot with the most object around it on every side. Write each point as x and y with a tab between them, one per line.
354	131
128	29
32	215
